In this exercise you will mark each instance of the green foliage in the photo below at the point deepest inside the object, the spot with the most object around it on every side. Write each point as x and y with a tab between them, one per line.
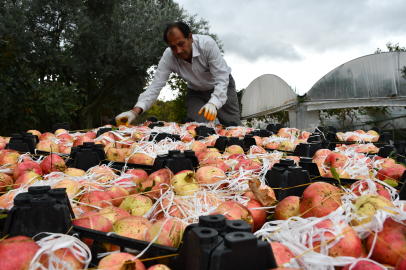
102	48
335	174
176	83
270	217
169	111
147	189
26	102
348	115
281	117
392	48
391	183
401	164
164	111
403	71
342	115
240	93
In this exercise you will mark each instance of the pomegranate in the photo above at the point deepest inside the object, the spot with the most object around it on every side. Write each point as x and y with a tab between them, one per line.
5	181
53	163
94	221
393	173
132	227
234	211
25	167
140	158
184	184
349	245
320	199
161	176
17	253
138	175
281	253
336	160
137	205
118	194
368	204
119	261
113	213
322	153
287	208
363	185
170	235
47	146
235	149
94	198
81	140
258	215
209	175
390	242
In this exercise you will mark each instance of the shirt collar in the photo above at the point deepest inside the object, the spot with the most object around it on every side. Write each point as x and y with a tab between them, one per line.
195	50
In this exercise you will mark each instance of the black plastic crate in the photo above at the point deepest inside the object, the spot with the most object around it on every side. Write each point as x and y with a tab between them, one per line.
187	120
314	173
155	136
301	150
274	128
25	142
103	130
60	126
204	246
287	179
216	243
89	155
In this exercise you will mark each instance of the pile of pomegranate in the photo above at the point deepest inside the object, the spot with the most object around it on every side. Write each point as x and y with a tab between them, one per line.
358	136
350	226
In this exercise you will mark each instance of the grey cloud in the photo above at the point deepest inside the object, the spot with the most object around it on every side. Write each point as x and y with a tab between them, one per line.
250	50
279	29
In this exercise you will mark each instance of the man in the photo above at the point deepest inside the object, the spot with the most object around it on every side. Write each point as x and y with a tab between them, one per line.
197	59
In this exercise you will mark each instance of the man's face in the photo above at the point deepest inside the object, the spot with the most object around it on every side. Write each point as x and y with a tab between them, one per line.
181	46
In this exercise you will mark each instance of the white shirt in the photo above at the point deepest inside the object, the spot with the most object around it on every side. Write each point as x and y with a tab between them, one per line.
208	70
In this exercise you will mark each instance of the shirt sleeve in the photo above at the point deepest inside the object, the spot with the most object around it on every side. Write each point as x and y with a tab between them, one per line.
161	77
220	74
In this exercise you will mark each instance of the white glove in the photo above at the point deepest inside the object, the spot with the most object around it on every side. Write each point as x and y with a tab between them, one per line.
210	111
126	118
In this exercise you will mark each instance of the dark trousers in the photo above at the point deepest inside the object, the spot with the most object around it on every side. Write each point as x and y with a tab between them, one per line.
230	111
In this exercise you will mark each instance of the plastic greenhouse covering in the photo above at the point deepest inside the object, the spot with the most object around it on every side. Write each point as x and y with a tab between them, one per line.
267	94
369	77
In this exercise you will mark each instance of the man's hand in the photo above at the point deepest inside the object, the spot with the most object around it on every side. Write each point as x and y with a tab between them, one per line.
210	111
126	118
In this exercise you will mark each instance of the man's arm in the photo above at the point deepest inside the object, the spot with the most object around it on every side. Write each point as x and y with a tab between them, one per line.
161	77
219	71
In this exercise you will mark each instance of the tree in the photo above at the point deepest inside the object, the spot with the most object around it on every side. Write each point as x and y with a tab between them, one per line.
240	93
104	47
163	110
25	102
392	48
176	83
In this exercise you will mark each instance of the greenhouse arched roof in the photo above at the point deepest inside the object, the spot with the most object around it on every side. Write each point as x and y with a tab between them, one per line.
267	94
371	77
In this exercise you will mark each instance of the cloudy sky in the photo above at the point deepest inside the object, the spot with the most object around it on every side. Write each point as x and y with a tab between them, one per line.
299	41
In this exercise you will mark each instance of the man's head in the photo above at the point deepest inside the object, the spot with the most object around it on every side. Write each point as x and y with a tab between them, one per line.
179	38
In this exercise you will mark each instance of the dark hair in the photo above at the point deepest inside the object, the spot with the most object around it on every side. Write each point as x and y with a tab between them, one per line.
183	27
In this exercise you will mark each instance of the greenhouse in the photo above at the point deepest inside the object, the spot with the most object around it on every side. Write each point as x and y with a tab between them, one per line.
369	81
